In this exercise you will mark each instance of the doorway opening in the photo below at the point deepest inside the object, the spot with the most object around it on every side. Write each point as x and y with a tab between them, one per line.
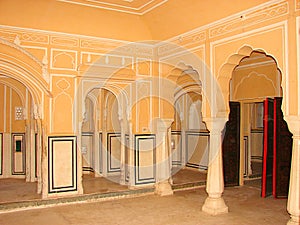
101	143
20	138
189	135
248	134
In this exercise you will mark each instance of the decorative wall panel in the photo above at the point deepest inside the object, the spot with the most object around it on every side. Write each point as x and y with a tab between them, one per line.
18	165
87	150
176	145
100	153
145	159
63	59
197	147
144	66
64	41
250	18
62	164
114	152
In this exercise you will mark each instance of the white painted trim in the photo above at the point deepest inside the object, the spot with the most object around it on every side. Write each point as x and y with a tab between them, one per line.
253	73
35	47
64	34
137	101
248	34
51	99
17	71
66	51
226	19
137	61
27	104
153	7
183	52
19	93
75	107
123	9
61	75
95	64
285	67
298	59
256	64
280	25
10	109
4	108
122	6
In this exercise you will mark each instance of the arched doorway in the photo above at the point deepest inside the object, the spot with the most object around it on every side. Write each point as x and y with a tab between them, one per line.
24	91
255	82
189	135
101	144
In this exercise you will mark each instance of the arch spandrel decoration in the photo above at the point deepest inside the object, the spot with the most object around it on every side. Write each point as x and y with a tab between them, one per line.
19	64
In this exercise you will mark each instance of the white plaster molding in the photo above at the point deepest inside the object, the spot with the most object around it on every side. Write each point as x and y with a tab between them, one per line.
64	40
17	40
253	73
262	30
13	45
38	111
63	52
140	9
279	7
298	56
254	17
107	41
256	64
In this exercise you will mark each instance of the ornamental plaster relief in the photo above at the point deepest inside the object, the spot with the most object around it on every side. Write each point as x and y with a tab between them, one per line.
63	59
185	41
64	41
250	18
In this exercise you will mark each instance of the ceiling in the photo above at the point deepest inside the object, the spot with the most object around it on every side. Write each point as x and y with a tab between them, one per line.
137	7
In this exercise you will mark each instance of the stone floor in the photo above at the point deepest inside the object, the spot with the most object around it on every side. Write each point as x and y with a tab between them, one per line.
17	190
184	207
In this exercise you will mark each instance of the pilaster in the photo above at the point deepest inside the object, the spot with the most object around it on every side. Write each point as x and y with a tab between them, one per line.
293	204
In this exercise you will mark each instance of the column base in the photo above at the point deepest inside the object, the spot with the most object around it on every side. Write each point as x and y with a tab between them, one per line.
163	188
294	220
214	206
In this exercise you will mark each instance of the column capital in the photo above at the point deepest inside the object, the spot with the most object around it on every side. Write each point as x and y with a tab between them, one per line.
215	124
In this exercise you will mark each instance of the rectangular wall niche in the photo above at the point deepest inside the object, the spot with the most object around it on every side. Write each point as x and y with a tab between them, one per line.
18	154
145	159
62	164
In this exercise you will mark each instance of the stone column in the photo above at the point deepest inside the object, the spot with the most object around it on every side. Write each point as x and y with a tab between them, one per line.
293	204
123	148
163	159
39	157
79	161
214	203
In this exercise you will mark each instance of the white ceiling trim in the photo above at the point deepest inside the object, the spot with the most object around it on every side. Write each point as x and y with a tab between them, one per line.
141	10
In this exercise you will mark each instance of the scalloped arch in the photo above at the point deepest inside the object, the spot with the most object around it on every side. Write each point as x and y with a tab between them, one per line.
225	74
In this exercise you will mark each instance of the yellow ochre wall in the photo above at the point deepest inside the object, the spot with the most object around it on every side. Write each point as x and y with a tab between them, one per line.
84	48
